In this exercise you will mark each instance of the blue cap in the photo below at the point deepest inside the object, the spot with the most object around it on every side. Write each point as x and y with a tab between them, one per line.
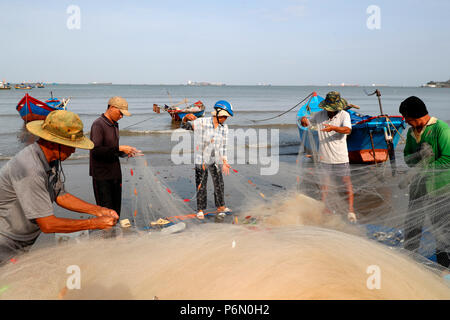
224	105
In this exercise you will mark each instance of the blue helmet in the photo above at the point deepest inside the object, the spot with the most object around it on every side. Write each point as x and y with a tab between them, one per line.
224	105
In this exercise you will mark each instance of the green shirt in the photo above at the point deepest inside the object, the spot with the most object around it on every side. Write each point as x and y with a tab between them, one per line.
437	135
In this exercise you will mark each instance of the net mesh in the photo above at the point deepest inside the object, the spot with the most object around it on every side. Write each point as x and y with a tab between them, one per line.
399	204
282	242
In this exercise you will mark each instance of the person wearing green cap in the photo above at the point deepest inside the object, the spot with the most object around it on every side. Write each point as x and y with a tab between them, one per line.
333	125
33	179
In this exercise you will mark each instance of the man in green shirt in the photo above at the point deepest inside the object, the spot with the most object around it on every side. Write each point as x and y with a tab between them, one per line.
428	150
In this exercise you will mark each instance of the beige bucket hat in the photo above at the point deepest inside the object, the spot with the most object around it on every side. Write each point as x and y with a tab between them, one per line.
120	103
63	127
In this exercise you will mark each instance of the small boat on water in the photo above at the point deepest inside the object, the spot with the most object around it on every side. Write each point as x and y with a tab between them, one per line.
4	85
31	109
177	113
23	86
40	85
373	138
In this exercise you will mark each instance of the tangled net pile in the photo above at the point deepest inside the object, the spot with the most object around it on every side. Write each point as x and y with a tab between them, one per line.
281	244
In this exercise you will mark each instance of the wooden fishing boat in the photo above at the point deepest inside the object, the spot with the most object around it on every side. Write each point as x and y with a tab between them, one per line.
23	87
373	138
177	113
4	85
31	109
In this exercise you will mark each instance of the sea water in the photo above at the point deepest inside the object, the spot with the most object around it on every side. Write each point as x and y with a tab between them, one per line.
151	132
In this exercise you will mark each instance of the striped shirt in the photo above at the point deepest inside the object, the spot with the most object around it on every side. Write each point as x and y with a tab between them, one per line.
210	144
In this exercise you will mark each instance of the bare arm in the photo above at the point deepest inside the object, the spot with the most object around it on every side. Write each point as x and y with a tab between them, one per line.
72	203
343	130
130	151
52	224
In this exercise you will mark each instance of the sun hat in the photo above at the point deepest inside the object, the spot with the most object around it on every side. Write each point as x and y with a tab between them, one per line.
62	127
120	103
333	102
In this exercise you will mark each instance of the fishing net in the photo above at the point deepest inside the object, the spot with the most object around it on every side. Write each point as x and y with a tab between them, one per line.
223	262
399	205
284	240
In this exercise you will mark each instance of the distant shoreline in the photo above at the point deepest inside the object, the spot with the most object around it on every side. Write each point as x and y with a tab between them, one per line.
437	84
245	85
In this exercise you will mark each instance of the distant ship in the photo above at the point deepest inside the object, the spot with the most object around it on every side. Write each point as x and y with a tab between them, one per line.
204	83
343	85
101	83
437	84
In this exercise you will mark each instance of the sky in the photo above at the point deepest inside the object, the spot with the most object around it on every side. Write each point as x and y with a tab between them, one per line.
247	42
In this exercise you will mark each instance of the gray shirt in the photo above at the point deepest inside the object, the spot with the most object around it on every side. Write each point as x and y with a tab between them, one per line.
29	186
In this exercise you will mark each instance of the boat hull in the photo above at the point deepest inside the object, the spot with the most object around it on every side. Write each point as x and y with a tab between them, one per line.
367	144
31	109
178	116
359	143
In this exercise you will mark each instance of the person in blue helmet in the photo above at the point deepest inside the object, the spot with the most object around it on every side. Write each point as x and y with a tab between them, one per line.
210	140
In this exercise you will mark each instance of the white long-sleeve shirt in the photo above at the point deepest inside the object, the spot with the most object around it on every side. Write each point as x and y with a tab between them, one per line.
210	144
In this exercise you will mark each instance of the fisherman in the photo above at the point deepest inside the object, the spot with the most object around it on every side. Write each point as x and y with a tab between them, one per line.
427	151
34	179
333	126
104	163
210	138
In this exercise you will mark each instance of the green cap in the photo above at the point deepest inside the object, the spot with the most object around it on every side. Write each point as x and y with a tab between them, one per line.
333	102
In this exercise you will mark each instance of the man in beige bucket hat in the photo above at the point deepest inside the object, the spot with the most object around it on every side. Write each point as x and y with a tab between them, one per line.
33	180
104	162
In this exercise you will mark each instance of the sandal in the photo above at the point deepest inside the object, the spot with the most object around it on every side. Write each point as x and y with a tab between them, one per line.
351	216
200	215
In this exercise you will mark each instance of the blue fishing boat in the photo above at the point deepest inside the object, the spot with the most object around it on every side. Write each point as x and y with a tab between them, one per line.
177	113
31	109
373	138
